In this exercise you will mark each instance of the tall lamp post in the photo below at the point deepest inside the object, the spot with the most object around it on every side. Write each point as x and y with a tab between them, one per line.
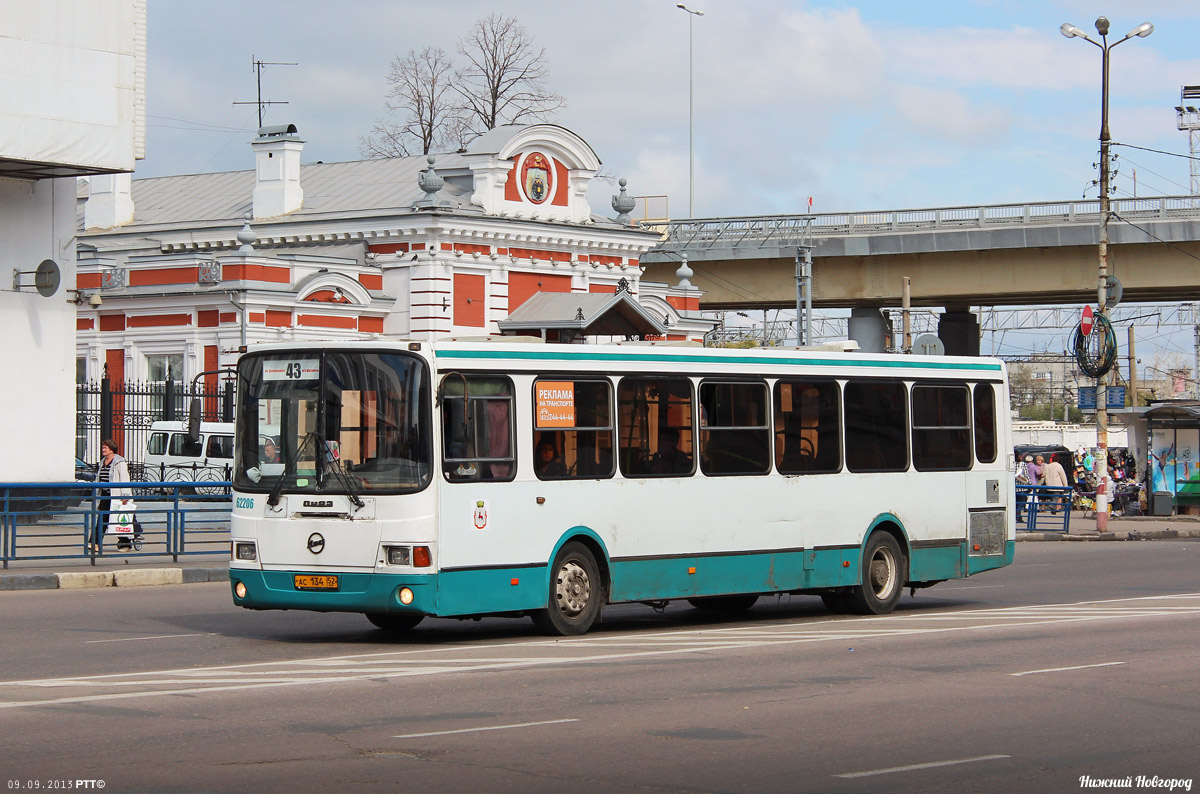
691	94
1070	31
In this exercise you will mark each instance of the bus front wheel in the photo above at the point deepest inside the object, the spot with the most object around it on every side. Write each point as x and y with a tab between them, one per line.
576	593
397	623
883	575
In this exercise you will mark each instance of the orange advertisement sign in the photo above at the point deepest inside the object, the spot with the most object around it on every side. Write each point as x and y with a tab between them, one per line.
555	401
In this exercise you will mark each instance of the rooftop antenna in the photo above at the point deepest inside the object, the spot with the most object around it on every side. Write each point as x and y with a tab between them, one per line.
257	66
1188	118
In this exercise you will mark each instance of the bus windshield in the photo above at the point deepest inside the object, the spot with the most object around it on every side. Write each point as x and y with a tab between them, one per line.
331	421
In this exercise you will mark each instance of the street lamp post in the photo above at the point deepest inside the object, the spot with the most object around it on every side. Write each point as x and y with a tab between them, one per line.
691	94
1070	31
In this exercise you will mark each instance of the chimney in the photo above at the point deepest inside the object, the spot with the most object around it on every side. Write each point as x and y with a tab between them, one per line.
110	201
277	188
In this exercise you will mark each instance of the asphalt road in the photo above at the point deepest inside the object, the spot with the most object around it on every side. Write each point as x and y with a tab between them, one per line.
1079	660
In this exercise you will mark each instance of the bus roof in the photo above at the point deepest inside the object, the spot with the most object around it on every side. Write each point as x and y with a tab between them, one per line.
481	353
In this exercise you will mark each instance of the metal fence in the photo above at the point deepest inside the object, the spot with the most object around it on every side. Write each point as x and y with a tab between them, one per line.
1044	508
53	521
124	411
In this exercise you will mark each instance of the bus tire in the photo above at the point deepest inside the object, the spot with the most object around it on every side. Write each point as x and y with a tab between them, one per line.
394	622
728	603
576	593
883	574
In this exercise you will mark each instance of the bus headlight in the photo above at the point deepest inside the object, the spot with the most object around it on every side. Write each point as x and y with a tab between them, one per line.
406	596
239	590
246	551
398	555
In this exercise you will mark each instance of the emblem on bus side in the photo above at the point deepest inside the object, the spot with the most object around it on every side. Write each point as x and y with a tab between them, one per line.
481	514
316	543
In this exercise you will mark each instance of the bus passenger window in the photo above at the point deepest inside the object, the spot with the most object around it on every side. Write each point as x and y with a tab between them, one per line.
941	428
985	423
654	421
573	429
734	435
807	427
477	428
876	419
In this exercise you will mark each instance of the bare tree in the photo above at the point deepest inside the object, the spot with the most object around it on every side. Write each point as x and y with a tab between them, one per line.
503	81
421	96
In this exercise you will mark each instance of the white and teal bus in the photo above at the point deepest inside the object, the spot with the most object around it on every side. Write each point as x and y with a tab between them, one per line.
474	477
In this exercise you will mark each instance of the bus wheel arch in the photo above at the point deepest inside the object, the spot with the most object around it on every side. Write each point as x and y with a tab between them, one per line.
883	571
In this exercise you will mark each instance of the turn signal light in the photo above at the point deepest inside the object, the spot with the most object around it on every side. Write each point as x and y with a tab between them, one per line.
421	557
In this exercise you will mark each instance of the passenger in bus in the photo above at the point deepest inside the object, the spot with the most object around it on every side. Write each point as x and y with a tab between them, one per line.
670	459
270	454
547	463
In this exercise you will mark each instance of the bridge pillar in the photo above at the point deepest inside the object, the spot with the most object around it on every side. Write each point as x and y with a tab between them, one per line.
870	329
959	331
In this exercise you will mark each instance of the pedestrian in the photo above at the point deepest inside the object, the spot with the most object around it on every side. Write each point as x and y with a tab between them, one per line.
1056	476
112	468
1024	478
1036	474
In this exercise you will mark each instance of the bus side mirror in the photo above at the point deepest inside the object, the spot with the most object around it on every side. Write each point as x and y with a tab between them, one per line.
193	425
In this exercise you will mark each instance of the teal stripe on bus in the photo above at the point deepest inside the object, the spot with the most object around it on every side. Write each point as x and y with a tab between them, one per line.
668	358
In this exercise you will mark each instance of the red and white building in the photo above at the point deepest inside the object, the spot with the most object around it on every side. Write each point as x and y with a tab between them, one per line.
190	268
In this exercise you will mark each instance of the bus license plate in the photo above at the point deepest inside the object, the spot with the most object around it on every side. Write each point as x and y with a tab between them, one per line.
310	582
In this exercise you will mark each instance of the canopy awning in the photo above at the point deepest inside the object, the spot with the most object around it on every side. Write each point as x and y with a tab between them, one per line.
572	315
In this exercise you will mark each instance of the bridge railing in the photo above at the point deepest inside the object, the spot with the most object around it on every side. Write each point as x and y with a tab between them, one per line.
785	230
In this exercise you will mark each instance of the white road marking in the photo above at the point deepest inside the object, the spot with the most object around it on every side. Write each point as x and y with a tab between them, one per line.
931	765
592	649
476	730
1064	669
155	637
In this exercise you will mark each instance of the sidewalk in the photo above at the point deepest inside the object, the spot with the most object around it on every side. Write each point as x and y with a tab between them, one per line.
1122	528
79	573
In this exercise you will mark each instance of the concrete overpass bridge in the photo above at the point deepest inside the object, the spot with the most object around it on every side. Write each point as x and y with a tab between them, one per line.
956	257
996	255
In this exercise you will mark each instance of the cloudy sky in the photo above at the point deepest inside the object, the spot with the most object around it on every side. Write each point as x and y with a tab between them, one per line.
860	104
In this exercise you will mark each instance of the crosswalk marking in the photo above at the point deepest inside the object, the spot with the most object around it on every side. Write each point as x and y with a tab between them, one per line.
595	648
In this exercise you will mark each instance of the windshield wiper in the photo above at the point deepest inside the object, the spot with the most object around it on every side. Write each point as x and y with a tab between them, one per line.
273	497
334	461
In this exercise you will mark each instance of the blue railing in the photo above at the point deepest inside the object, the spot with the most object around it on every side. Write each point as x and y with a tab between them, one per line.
52	521
1044	508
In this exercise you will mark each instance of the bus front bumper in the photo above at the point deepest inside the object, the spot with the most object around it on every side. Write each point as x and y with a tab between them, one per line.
355	592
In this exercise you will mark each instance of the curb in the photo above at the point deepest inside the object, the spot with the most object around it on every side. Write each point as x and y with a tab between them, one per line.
1124	534
133	577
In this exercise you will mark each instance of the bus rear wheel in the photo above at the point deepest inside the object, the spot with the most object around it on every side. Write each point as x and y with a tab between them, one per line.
576	593
729	603
397	623
883	574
